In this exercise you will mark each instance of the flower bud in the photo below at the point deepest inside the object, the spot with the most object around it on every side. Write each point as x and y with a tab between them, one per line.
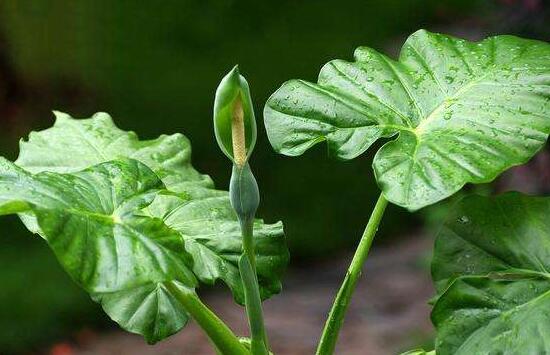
243	193
234	121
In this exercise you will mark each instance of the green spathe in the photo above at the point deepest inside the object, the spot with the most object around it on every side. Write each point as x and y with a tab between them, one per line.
458	111
233	88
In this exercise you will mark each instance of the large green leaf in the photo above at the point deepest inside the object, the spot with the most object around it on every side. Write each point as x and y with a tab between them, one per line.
75	144
213	237
92	222
492	270
463	112
202	214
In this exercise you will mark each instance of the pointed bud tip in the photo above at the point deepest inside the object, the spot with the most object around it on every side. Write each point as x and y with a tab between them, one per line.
234	76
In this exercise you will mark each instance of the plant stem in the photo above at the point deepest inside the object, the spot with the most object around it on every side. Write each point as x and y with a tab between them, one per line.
245	198
335	319
253	302
219	333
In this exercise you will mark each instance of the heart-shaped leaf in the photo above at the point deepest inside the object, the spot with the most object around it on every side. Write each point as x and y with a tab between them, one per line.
92	222
463	112
491	267
202	214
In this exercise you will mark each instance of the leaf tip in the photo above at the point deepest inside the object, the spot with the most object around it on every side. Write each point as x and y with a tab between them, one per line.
59	115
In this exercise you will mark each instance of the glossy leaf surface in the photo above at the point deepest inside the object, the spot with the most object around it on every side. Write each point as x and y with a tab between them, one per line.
75	144
491	268
92	222
462	112
212	235
202	214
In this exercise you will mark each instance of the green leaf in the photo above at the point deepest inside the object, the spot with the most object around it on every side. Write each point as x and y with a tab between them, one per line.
212	236
202	214
462	112
491	268
121	257
75	144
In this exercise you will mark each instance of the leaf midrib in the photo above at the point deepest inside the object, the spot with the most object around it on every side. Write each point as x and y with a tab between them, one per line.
476	81
423	121
137	236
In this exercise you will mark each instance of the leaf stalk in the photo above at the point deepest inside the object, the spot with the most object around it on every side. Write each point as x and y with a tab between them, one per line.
219	333
337	313
247	268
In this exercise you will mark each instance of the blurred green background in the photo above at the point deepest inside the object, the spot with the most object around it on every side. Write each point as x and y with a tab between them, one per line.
154	67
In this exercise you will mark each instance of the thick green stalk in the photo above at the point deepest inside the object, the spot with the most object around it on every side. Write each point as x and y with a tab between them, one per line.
253	302
219	333
337	313
245	198
235	129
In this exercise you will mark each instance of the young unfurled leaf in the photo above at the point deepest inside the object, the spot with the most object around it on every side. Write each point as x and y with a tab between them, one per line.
91	221
491	268
462	112
234	121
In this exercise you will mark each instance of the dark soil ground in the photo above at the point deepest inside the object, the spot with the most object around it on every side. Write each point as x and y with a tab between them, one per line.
389	312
